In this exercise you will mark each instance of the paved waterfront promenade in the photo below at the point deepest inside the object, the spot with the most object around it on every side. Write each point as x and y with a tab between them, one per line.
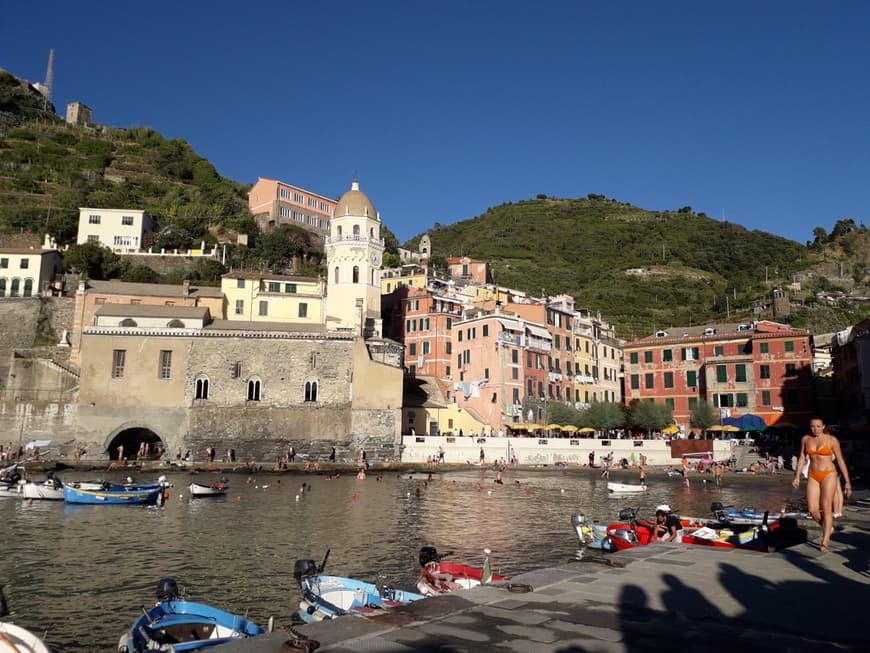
658	598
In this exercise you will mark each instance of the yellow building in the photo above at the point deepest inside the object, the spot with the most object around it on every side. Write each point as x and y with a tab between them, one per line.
411	276
264	297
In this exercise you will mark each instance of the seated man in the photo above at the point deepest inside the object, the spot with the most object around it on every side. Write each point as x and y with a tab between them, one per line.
668	527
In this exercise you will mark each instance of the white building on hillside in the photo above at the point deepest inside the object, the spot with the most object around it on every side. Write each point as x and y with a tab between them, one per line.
121	230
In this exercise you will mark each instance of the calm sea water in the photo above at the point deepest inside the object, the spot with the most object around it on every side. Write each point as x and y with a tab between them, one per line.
81	574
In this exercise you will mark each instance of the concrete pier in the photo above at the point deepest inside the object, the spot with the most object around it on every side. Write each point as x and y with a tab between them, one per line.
659	597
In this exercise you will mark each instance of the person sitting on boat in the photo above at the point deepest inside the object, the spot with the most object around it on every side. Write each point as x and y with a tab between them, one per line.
668	527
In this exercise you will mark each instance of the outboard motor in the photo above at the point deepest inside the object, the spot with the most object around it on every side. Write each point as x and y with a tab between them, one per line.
428	554
578	521
304	569
625	534
627	514
718	510
167	590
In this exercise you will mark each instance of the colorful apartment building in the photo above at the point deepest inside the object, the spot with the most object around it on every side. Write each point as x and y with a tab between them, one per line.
763	368
468	270
121	230
851	360
597	360
264	297
411	274
274	203
558	316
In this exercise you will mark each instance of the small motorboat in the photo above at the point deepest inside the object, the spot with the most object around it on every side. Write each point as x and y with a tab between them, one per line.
9	482
752	516
753	539
437	577
16	639
328	597
174	624
118	494
632	530
51	489
217	489
592	536
19	640
625	488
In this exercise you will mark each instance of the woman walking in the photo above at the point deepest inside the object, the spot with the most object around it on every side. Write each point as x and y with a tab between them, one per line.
822	449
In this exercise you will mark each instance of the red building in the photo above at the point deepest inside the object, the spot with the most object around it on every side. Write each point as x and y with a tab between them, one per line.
763	368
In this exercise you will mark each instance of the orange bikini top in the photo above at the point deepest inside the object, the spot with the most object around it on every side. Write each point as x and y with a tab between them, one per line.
824	450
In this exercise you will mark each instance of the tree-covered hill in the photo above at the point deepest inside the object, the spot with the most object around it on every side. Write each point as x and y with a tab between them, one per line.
643	270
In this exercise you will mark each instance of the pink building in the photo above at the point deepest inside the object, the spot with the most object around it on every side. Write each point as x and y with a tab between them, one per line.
468	270
274	203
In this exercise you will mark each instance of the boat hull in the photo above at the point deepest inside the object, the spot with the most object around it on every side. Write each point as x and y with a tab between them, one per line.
196	490
625	488
42	491
20	640
328	597
112	496
185	626
444	577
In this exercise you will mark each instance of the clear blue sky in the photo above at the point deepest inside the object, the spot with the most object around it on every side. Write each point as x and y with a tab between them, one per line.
755	111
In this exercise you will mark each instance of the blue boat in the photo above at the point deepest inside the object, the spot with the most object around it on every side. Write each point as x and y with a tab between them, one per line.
178	625
114	495
328	597
738	516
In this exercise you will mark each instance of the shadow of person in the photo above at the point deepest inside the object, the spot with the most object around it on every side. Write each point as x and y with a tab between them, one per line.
687	603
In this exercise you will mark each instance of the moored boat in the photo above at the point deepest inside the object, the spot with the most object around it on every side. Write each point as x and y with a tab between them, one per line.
592	536
439	577
114	495
749	515
174	624
328	597
217	489
51	489
14	638
625	488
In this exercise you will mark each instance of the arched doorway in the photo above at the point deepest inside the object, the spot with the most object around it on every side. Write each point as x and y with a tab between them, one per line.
136	443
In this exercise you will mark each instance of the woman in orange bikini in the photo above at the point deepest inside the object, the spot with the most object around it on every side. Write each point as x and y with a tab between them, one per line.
821	448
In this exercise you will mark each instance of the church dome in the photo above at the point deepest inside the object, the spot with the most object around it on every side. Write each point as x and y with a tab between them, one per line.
355	202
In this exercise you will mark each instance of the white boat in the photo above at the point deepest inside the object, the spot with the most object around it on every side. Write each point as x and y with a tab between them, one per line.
15	638
214	490
625	488
51	489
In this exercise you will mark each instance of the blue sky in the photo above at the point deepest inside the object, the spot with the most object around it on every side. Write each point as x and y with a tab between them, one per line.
755	112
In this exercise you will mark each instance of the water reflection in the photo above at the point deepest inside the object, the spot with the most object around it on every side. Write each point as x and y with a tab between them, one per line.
81	573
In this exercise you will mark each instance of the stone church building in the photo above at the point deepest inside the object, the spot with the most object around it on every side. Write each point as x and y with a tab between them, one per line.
175	375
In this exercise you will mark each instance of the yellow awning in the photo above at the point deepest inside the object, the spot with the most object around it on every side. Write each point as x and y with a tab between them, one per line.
553	427
569	428
587	429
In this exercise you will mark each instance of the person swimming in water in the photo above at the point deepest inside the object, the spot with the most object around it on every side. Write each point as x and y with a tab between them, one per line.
822	449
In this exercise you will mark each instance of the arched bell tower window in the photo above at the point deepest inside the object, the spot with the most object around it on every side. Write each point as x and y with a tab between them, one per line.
311	391
338	231
356	274
254	388
356	232
200	388
335	274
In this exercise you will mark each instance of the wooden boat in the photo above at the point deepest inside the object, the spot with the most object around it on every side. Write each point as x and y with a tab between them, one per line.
749	515
625	488
753	539
16	639
437	577
217	489
19	640
114	495
50	489
328	597
174	624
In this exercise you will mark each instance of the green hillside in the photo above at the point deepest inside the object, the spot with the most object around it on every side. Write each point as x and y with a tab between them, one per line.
643	270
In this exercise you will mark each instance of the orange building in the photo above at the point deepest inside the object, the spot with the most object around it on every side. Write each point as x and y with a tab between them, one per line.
763	368
274	203
468	270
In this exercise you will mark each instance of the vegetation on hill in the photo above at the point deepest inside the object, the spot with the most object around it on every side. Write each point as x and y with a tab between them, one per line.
644	270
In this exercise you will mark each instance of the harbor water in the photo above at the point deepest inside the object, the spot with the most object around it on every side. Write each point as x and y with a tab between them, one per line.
80	575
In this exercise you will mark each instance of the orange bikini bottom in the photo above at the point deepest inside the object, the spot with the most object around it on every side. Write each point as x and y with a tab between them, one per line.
820	476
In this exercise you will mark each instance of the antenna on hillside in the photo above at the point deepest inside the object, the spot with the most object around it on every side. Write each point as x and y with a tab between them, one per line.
49	79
